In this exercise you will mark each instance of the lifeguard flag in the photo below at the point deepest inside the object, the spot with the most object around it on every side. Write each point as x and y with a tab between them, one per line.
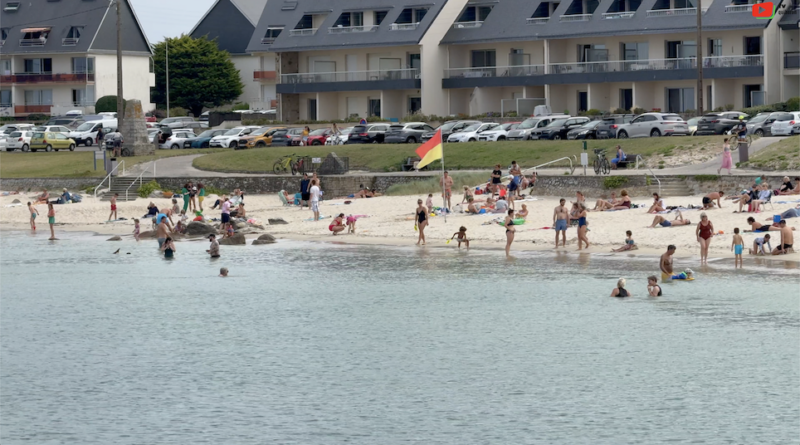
431	150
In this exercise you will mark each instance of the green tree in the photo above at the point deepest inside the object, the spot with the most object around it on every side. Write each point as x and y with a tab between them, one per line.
200	74
106	104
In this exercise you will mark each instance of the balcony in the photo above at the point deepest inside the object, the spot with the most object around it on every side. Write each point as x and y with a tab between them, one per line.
348	29
671	12
464	25
30	78
791	60
32	42
399	79
403	26
69	41
575	18
732	61
618	15
537	20
28	109
303	32
738	8
494	71
265	75
267	40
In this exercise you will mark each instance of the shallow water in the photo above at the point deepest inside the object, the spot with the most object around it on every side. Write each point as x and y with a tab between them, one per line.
312	343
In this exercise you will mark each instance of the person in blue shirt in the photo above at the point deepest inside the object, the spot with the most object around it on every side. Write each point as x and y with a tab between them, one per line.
620	157
305	195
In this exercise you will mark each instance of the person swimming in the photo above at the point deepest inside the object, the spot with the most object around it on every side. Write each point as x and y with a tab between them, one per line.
620	290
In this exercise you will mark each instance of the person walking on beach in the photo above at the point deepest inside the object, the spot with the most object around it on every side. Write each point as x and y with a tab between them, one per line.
186	197
665	263
560	218
315	194
136	229
51	219
305	184
737	245
462	237
704	232
34	214
516	178
201	194
421	221
226	212
447	182
510	231
113	207
213	250
193	199
727	159
582	225
653	289
429	203
168	248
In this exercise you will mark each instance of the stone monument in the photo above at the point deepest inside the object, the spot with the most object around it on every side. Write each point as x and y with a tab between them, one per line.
134	130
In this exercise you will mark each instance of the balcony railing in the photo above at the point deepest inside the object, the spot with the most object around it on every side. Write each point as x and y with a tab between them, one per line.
267	40
19	109
264	75
32	42
47	78
537	20
403	26
618	15
351	76
347	29
495	71
732	61
461	25
791	60
575	18
69	41
738	8
671	12
303	32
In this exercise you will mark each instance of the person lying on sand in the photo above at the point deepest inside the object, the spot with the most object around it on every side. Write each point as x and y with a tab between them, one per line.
678	221
630	244
791	213
658	204
756	227
602	204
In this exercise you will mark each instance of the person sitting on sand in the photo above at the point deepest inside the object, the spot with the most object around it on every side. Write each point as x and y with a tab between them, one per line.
624	202
501	206
229	230
471	208
602	204
522	214
182	222
620	290
241	213
337	225
152	210
467	194
653	289
176	209
678	221
629	243
708	200
796	190
363	193
658	204
756	227
758	245
787	188
43	197
787	240
490	203
528	182
462	237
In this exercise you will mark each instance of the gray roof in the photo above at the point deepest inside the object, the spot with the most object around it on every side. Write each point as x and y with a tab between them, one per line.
507	22
97	17
230	22
276	15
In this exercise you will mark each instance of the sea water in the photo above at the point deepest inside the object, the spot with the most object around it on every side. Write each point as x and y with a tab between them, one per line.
316	343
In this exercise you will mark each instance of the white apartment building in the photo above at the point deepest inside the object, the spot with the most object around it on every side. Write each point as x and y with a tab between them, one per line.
52	62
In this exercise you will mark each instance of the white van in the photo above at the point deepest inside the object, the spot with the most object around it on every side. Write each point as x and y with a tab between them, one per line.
86	133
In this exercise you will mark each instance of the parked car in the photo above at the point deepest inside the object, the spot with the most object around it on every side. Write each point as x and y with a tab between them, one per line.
4	143
470	134
203	116
10	128
498	133
784	122
531	124
202	139
654	125
756	125
177	139
51	141
295	136
67	121
319	136
448	128
559	128
718	123
585	131
149	118
368	134
609	125
198	127
86	133
409	132
53	129
175	122
261	137
230	139
19	140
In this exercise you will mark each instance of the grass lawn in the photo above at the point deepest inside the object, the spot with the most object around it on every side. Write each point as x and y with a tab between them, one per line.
458	156
783	155
72	164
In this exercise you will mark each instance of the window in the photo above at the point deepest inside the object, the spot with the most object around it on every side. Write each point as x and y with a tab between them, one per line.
475	14
152	66
11	6
680	99
592	53
75	32
578	7
38	66
635	51
39	97
348	19
271	34
307	22
375	108
626	98
714	47
83	65
412	15
379	16
3	34
5	98
624	6
545	10
484	58
83	97
752	46
5	67
414	61
681	49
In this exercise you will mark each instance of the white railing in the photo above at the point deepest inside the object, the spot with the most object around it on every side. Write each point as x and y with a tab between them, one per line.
69	41
733	61
351	76
460	25
575	18
671	12
537	20
618	15
403	26
303	32
738	8
495	71
571	166
347	29
621	65
108	177
639	158
32	42
140	178
267	40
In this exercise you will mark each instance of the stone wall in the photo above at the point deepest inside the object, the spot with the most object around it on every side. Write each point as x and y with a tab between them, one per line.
728	184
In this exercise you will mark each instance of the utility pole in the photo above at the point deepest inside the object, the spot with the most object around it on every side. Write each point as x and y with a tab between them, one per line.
120	104
166	40
699	47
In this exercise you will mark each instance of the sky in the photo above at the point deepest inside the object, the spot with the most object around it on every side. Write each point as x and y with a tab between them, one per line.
169	18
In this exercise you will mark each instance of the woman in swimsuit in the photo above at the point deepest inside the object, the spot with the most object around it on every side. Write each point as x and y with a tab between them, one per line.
510	230
421	220
625	203
704	232
168	248
337	225
620	290
653	289
582	225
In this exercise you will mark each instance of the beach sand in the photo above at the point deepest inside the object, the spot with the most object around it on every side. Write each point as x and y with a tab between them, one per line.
390	222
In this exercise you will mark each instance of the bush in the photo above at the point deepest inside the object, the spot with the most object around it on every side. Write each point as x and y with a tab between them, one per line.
211	190
793	104
639	110
621	111
146	189
614	182
706	178
158	113
593	112
728	107
37	117
566	112
241	106
178	112
107	104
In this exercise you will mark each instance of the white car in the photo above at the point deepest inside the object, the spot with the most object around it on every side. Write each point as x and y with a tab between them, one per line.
231	138
784	122
175	122
654	125
5	130
53	129
470	134
177	138
498	133
18	140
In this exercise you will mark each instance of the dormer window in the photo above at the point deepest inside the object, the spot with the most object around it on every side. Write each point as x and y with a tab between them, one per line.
622	9
580	11
3	35
409	19
308	25
34	36
271	34
11	6
664	8
472	15
73	36
348	19
379	16
543	13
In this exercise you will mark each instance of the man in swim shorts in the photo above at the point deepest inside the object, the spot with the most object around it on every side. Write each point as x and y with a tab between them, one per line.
666	263
664	222
447	182
787	239
163	229
708	200
560	218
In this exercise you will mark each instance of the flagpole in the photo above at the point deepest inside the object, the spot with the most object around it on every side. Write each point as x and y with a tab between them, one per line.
444	186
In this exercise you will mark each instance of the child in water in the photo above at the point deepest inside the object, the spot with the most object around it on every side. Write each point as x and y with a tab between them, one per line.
685	275
737	245
34	214
462	237
629	243
136	229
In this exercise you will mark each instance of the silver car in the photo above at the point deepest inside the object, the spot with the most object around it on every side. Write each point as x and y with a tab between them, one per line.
523	132
760	125
654	125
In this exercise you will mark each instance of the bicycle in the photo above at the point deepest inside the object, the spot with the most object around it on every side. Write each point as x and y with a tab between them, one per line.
287	163
601	164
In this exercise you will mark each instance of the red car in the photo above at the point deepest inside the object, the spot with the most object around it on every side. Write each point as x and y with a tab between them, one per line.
150	118
318	137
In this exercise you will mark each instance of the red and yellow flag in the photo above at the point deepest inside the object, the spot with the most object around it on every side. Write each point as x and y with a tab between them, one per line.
431	150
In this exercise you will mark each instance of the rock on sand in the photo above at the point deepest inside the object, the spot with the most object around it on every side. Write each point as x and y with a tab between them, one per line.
237	239
115	238
264	239
197	228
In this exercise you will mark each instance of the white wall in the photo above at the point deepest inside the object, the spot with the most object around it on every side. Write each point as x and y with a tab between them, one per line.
247	65
363	57
435	59
136	78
